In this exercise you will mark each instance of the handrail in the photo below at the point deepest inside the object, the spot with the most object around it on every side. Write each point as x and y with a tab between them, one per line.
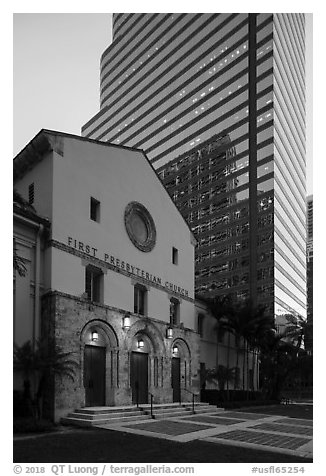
137	399
193	398
152	398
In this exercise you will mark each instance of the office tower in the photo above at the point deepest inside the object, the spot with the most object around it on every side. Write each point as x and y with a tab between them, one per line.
310	265
310	224
173	83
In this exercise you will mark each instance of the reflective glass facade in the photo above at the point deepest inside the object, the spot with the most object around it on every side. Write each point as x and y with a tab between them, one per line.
310	266
289	162
217	103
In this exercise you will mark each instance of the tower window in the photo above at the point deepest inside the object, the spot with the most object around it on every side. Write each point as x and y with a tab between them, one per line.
140	295
93	283
94	210
31	194
175	256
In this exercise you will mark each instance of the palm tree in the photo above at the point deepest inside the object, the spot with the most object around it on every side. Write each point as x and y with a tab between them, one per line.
238	327
249	324
222	375
279	359
221	308
297	329
39	366
18	261
262	325
20	202
258	326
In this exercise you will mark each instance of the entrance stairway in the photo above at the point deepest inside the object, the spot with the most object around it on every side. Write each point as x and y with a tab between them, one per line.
92	416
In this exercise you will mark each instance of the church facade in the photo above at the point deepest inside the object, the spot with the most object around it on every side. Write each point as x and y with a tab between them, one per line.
117	274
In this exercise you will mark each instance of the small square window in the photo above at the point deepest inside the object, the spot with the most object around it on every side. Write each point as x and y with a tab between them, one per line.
94	210
175	254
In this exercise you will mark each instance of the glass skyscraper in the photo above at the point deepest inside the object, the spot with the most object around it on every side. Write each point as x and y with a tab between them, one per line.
217	102
310	268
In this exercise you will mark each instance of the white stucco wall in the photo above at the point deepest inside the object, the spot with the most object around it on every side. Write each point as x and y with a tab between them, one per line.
42	177
115	177
25	320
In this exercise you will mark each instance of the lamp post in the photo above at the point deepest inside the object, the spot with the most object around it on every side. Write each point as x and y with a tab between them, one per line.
94	336
126	322
140	344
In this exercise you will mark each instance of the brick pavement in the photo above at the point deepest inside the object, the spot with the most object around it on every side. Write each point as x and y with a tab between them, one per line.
238	428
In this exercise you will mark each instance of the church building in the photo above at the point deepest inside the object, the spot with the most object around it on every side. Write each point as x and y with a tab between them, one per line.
117	272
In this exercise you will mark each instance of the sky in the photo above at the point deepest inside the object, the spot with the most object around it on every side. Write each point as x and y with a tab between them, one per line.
56	80
56	64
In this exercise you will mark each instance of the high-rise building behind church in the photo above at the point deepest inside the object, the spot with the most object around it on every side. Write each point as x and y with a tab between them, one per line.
217	102
310	269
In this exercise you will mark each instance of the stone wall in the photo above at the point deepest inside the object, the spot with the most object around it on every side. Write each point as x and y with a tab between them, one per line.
70	320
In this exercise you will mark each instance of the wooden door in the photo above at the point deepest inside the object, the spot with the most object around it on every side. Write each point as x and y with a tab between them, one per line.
94	376
139	377
176	379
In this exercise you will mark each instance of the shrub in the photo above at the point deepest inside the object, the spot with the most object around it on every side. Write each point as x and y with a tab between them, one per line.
31	425
218	397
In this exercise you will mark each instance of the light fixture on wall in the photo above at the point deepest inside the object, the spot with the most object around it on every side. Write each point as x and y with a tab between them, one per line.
169	333
94	336
140	344
175	350
126	321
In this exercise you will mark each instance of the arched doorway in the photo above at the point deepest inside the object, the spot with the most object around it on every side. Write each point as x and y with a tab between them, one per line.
139	377
176	375
139	367
180	369
94	375
99	344
145	345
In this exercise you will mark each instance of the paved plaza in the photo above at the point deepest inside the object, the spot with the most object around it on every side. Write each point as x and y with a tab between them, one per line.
275	433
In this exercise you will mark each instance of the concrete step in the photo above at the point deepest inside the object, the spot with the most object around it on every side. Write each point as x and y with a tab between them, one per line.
128	418
69	420
106	410
104	416
208	408
162	411
166	411
161	405
75	421
90	416
166	416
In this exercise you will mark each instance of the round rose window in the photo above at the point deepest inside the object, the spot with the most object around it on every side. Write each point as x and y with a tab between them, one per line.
140	226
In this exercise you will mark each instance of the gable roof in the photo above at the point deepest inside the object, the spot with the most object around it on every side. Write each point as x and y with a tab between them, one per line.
47	141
